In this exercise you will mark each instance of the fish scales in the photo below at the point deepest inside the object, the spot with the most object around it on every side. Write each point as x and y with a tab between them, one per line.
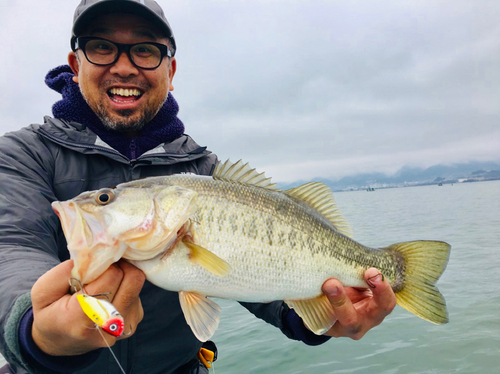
278	236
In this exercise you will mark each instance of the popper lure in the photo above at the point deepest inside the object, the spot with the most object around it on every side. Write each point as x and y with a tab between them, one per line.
102	313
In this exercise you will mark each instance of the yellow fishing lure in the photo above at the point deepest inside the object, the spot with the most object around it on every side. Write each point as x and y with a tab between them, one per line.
102	313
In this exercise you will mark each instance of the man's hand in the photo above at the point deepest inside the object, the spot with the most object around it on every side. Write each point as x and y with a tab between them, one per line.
359	310
60	328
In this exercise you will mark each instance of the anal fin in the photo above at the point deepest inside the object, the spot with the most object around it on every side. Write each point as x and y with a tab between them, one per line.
201	314
208	260
317	313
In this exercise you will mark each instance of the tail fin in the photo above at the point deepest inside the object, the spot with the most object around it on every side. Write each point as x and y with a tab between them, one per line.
425	262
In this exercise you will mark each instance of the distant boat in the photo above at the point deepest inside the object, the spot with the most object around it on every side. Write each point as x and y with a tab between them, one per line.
440	184
370	189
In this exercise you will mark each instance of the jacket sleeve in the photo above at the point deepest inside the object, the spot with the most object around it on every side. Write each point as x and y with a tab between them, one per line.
28	232
280	315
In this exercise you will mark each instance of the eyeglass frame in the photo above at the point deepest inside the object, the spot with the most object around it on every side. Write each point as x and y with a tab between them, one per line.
81	41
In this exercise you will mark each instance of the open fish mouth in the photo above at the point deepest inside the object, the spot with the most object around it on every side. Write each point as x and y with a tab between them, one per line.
90	247
65	216
82	230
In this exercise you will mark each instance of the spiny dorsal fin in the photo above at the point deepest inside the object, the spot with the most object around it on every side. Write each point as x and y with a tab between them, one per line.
242	173
320	197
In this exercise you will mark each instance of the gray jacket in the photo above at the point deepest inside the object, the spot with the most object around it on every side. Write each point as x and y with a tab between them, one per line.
57	161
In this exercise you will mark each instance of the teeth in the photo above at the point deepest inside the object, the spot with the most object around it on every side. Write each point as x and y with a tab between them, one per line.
125	91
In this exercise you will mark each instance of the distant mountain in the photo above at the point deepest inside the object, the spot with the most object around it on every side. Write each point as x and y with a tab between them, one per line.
408	175
411	176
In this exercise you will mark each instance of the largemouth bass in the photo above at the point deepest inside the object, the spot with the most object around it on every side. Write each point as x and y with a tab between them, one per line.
235	235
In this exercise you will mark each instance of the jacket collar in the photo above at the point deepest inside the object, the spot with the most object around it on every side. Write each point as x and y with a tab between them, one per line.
78	137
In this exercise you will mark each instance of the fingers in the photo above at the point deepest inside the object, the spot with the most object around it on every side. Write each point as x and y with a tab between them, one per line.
52	286
133	318
358	311
72	332
107	284
384	300
127	300
130	287
348	322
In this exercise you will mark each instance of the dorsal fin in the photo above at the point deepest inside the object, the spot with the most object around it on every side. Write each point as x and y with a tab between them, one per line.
242	173
319	196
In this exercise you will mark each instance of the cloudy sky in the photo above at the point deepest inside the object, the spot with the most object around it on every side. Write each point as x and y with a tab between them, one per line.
301	89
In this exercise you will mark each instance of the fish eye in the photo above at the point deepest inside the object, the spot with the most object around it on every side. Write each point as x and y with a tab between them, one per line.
113	327
104	196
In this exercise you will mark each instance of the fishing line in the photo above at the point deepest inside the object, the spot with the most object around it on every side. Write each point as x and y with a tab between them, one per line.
113	353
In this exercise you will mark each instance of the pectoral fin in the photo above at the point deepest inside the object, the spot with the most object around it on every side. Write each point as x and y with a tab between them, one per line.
201	314
317	313
207	259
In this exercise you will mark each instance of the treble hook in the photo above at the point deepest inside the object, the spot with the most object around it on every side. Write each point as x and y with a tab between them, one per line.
75	285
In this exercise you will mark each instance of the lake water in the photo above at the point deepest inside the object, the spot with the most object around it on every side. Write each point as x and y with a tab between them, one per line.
465	215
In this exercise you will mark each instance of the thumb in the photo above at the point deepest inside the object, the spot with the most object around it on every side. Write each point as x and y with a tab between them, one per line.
52	285
342	306
334	291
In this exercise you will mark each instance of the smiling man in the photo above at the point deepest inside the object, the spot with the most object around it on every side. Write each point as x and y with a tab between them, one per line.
117	121
127	70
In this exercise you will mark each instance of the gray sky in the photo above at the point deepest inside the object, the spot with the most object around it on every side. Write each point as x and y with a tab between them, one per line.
301	89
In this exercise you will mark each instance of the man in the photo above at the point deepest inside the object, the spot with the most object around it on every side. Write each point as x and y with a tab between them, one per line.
116	122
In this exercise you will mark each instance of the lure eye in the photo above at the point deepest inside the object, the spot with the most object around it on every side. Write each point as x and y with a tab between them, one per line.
114	326
104	196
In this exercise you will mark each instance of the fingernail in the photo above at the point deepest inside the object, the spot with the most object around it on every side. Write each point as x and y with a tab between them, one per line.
375	279
333	291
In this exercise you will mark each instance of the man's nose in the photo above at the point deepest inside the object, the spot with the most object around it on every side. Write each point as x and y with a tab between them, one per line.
123	66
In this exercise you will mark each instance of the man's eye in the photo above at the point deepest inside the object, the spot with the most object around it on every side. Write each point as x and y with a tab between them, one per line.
145	50
102	47
97	46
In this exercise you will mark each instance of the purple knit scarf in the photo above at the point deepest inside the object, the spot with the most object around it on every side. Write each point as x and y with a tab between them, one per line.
165	126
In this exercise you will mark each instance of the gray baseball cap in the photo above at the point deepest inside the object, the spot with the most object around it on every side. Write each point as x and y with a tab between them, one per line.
88	10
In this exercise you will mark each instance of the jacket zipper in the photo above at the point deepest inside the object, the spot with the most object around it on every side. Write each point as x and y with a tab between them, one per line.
133	149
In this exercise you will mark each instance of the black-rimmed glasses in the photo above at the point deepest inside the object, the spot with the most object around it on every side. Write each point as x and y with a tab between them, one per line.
103	52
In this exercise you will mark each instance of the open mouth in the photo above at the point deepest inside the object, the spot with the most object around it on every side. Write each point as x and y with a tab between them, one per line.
124	95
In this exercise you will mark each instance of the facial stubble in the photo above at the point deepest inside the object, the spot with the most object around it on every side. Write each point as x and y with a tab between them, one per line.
125	121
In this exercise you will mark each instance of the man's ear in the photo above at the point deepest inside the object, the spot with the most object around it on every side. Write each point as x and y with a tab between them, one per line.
74	65
171	72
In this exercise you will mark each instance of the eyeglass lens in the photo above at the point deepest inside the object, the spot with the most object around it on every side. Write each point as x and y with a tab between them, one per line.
103	52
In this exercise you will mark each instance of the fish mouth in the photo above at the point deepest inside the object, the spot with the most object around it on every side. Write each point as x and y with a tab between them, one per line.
90	248
80	229
66	216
